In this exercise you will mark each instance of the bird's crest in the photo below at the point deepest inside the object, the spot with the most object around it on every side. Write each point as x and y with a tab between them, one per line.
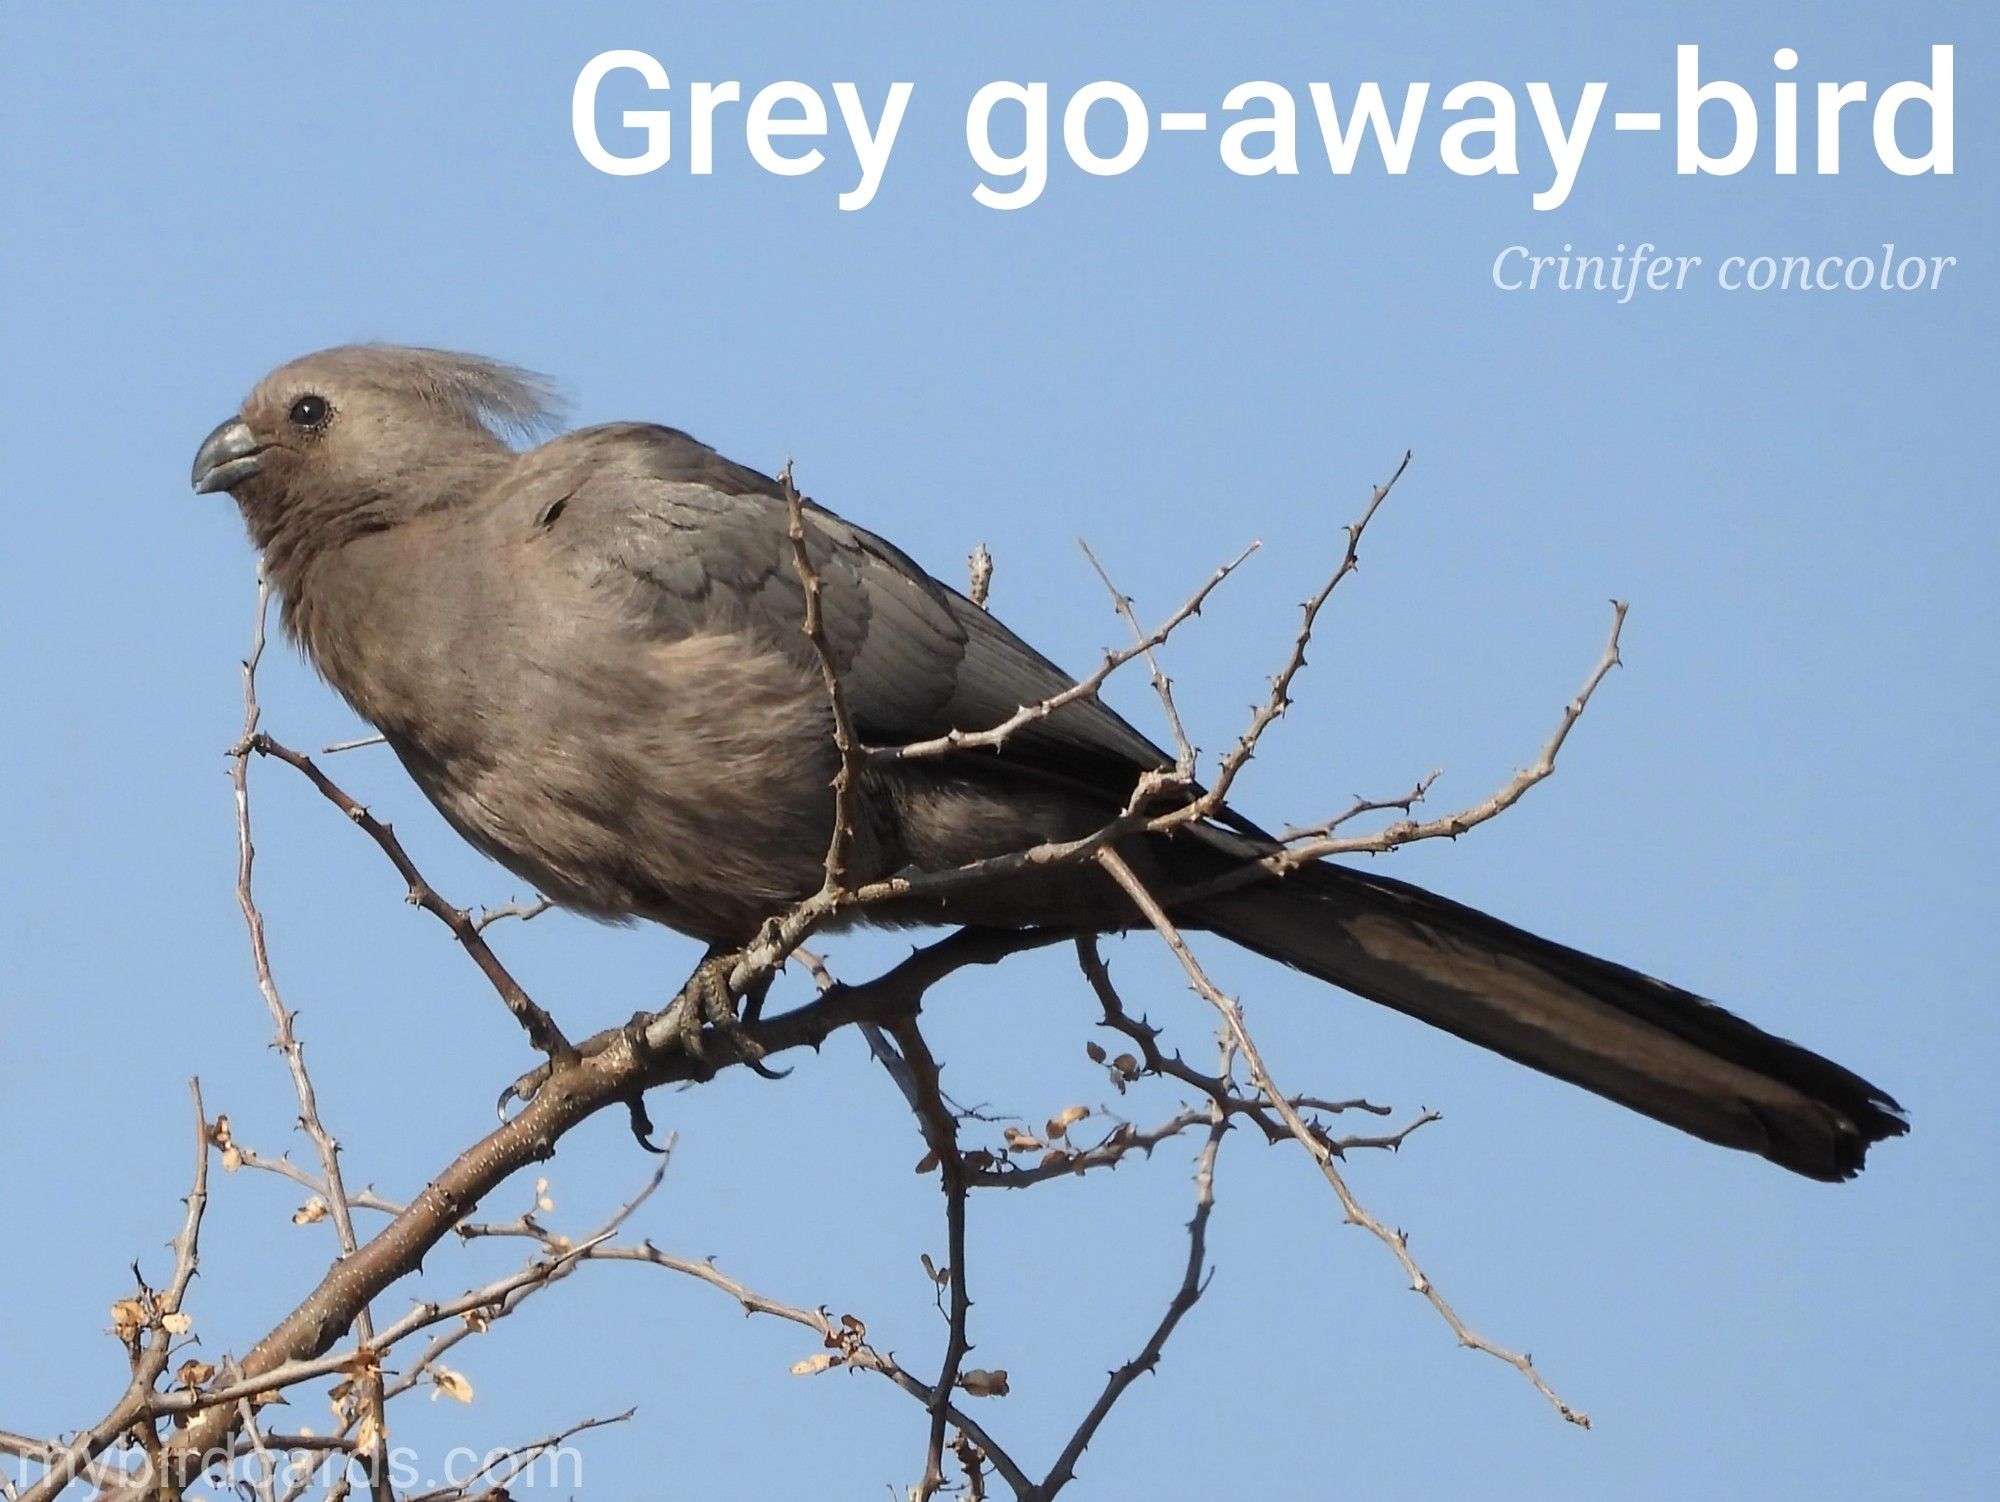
513	403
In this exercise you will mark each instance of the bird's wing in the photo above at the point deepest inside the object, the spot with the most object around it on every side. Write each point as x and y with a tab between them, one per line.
698	542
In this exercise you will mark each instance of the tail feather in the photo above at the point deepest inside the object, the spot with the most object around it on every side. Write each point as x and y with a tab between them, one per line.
1666	1052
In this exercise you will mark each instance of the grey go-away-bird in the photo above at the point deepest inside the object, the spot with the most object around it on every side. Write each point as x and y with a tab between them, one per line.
589	655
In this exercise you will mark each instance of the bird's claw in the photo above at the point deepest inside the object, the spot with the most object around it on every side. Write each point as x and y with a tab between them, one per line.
709	1002
642	1124
523	1089
705	1002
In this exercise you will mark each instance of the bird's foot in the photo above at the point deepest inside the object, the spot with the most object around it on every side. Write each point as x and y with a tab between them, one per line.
704	1002
707	1001
529	1085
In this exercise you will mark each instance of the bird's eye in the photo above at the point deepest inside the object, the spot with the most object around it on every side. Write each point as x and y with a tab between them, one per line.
310	410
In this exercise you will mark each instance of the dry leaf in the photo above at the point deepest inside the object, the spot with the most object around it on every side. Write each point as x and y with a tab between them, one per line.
232	1159
984	1384
1096	1052
193	1374
450	1384
939	1275
311	1212
1060	1124
128	1318
369	1433
477	1320
176	1323
814	1364
928	1163
1019	1141
1054	1156
1127	1065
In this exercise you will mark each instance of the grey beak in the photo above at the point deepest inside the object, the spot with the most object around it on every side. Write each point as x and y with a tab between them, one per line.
227	457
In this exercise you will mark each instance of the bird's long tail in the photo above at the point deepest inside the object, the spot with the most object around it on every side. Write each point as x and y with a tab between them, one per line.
1645	1044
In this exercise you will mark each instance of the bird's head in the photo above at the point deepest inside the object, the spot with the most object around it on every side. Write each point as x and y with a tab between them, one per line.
353	438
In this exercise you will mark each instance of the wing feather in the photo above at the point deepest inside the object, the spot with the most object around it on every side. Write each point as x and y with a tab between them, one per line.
696	541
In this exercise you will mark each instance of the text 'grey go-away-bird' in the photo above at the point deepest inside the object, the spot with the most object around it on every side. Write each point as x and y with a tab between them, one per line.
589	657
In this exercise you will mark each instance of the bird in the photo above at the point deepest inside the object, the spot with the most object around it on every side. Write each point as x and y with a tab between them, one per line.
587	652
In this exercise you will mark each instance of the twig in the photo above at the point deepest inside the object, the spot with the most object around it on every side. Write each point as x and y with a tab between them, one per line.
836	1335
1360	807
527	912
1193	1284
598	1079
505	1465
1451	826
281	1017
846	742
1232	1017
540	1027
151	1345
941	1132
284	1167
1280	699
1215	1087
1184	751
1084	687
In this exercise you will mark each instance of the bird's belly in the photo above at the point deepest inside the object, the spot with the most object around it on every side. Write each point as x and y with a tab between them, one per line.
697	796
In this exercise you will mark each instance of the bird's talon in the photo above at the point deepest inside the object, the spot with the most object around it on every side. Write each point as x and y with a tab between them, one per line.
642	1124
524	1089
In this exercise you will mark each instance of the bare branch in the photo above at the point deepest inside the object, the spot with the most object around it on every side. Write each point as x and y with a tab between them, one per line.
217	1416
503	1466
1359	808
847	744
941	1132
1322	1154
1184	751
527	912
1280	698
539	1026
1192	1285
1084	688
1318	846
151	1344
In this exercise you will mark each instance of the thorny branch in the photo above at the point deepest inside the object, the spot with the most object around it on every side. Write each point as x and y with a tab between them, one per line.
281	1018
539	1026
846	742
215	1411
941	1132
1280	700
147	1324
1194	1281
1084	688
1163	686
1313	1142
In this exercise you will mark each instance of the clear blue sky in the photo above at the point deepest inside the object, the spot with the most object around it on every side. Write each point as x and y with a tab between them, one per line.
1783	800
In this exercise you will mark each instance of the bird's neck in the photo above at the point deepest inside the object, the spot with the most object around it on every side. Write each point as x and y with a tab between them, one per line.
305	528
339	565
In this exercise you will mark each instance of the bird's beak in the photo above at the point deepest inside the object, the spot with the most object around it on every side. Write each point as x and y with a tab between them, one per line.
227	457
